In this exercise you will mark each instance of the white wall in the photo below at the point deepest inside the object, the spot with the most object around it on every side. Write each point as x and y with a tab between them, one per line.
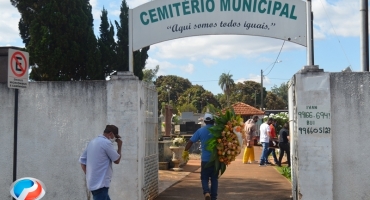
6	140
351	137
57	120
313	149
331	165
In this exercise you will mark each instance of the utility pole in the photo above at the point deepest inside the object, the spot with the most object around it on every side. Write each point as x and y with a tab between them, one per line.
261	89
255	98
364	40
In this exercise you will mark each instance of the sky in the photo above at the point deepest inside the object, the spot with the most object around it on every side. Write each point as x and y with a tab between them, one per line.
202	59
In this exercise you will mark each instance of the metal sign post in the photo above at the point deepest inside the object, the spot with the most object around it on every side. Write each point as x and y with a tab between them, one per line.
18	64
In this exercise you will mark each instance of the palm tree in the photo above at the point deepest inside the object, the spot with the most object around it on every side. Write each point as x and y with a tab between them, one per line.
226	83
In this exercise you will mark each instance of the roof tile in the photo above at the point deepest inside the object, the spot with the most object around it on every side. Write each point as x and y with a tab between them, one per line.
245	109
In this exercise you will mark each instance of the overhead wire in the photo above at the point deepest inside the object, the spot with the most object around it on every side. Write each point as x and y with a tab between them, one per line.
276	58
335	33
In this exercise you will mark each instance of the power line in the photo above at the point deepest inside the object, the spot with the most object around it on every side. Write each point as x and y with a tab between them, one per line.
335	33
276	58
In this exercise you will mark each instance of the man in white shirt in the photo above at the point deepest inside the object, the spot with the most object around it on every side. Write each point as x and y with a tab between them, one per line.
265	135
96	162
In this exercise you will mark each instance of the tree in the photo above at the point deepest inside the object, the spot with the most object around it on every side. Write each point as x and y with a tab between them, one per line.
187	108
106	44
150	74
247	92
198	97
122	38
281	91
171	87
226	83
273	102
60	40
221	98
140	56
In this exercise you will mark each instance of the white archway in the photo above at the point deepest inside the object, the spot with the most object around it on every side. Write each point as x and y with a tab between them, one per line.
162	20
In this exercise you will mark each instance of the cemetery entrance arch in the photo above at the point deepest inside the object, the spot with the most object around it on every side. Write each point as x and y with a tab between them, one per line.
162	20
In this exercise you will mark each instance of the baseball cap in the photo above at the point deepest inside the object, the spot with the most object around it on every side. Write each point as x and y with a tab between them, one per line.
208	117
112	128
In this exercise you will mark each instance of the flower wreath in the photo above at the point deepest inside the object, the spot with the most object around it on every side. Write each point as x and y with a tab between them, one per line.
226	142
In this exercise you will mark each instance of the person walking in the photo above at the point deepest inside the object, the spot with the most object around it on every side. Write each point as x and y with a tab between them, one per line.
250	136
265	135
206	173
273	143
96	162
284	143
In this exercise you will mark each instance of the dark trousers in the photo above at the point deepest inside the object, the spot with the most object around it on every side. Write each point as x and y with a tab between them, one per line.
101	194
284	148
207	175
272	151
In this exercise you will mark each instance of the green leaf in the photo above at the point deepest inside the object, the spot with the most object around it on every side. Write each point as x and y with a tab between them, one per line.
223	168
217	166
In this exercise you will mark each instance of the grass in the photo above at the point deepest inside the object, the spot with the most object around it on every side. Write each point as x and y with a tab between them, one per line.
285	171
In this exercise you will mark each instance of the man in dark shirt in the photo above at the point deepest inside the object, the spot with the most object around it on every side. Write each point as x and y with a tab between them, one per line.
284	143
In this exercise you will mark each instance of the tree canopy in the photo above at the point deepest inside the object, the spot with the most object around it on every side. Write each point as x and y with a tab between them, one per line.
62	45
150	74
274	102
140	56
171	87
107	44
282	92
59	38
226	83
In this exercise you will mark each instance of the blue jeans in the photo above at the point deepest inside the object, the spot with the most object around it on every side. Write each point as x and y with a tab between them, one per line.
101	194
265	149
272	150
205	175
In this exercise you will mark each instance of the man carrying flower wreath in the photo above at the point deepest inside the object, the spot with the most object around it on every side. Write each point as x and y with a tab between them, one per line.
207	173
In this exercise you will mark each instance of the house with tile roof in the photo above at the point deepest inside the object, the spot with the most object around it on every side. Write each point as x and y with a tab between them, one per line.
246	111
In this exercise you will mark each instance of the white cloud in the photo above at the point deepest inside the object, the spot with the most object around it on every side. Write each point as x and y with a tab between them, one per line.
9	18
165	66
136	3
189	68
255	78
209	62
341	18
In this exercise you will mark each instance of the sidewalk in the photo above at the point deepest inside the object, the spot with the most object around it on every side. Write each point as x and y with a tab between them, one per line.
240	181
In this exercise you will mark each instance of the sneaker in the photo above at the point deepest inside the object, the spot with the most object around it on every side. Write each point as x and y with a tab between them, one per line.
207	196
263	165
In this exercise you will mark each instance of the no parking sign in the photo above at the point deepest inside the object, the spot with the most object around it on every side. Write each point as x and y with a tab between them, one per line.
18	65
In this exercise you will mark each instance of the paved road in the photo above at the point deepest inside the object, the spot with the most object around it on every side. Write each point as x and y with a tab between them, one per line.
239	182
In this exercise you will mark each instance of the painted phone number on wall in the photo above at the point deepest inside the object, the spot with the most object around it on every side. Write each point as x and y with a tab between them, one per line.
312	130
317	115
